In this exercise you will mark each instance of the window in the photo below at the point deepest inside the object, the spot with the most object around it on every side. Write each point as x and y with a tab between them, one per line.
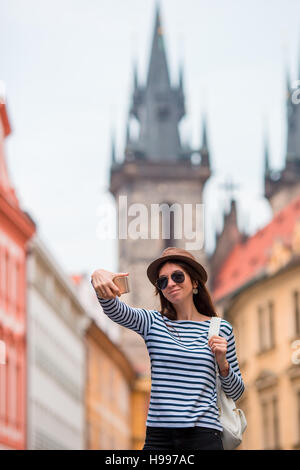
3	274
296	312
266	327
19	292
275	421
265	422
14	283
7	275
260	328
2	270
163	112
270	422
271	324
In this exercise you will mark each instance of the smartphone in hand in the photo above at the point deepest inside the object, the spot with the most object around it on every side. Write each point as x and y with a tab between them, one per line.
122	283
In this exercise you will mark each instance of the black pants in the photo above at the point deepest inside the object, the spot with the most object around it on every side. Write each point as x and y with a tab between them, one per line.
197	438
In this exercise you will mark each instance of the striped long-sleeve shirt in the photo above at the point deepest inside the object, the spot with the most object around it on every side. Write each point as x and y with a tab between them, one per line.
183	379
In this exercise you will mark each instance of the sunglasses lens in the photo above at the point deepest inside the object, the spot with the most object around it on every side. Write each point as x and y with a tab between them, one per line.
178	277
162	282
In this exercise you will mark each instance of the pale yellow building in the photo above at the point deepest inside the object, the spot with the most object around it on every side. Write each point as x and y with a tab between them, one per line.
140	404
109	394
258	291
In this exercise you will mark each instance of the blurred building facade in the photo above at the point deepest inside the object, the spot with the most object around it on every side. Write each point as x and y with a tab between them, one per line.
16	229
109	393
258	291
44	319
140	404
56	355
255	283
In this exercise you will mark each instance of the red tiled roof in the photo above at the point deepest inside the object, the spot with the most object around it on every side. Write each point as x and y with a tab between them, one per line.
250	258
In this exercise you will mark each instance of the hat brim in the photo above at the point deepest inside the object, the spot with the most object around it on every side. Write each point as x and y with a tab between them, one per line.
152	268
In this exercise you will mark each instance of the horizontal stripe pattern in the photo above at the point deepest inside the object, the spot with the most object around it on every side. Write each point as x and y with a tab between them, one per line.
183	380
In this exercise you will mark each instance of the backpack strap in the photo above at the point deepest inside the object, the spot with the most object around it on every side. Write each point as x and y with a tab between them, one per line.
214	328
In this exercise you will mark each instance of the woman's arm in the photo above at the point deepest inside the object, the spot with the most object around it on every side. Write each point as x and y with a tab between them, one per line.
136	319
232	383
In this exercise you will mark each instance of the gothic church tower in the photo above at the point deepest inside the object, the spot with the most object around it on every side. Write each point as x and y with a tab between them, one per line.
283	186
156	169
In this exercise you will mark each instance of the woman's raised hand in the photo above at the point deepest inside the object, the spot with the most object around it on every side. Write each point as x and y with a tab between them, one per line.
102	281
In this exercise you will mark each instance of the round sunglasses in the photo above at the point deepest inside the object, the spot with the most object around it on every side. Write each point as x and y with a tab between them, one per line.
177	276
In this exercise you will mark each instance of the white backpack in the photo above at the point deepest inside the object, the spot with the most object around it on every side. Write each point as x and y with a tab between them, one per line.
232	419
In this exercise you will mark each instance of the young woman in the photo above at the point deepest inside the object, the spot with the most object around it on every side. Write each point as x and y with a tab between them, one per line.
183	409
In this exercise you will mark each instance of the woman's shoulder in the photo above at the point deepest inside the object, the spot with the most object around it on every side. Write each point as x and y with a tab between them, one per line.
226	327
153	312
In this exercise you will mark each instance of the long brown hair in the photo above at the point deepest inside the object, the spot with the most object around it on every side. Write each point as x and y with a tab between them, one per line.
202	299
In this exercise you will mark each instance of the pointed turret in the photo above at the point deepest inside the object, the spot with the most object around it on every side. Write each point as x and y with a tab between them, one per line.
204	151
180	85
287	82
204	133
293	131
227	238
298	78
232	214
127	133
281	186
266	157
158	106
135	76
158	73
113	149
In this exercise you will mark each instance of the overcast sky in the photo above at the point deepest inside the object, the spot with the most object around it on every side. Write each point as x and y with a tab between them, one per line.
67	66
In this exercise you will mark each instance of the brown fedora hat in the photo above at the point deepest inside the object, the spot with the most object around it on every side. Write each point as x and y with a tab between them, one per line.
174	253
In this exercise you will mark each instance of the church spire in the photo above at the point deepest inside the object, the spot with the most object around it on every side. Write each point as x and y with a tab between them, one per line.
204	133
204	145
287	81
266	156
127	132
113	148
230	235
287	179
158	107
181	77
298	78
135	76
158	73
